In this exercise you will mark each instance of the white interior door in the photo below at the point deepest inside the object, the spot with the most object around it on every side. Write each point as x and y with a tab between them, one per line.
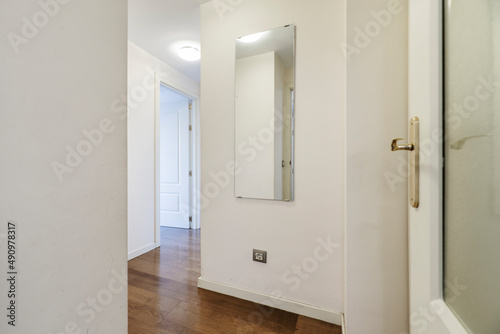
432	291
175	208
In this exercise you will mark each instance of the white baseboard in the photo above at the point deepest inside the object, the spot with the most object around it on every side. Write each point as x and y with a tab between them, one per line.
279	303
141	251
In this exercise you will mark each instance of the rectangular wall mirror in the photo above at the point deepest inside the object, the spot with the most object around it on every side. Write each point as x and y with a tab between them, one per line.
264	114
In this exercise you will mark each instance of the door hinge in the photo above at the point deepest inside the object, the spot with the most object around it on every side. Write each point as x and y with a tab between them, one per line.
190	128
190	173
190	105
190	219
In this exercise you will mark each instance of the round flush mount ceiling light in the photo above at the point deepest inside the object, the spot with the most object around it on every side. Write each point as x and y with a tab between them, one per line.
251	38
189	53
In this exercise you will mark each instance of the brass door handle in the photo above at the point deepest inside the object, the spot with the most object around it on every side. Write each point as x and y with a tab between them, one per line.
396	147
413	165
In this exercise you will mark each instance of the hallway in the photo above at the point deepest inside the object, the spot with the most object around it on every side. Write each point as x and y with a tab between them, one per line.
164	297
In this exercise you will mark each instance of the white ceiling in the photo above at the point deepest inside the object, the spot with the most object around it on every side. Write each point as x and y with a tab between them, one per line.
279	40
161	27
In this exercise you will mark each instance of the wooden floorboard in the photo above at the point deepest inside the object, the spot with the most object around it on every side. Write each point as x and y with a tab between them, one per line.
164	297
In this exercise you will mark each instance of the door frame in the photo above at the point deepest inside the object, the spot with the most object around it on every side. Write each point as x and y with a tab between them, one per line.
426	222
161	79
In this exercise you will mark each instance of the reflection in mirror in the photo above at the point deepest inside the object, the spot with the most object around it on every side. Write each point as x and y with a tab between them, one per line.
264	113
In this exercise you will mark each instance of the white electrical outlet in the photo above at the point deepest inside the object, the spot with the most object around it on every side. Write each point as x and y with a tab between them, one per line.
260	255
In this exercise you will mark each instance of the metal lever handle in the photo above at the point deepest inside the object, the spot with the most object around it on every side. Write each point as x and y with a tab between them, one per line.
413	163
396	147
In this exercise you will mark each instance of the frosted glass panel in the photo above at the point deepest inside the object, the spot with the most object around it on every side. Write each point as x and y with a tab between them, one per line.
472	163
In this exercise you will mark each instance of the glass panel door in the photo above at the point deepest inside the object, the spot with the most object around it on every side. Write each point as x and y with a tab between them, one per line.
472	163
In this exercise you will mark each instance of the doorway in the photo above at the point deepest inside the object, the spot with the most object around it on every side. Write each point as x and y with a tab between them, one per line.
177	157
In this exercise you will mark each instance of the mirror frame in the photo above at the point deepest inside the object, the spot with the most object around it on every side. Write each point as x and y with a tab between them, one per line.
285	163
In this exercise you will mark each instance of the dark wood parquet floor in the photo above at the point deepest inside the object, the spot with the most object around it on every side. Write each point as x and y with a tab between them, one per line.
164	297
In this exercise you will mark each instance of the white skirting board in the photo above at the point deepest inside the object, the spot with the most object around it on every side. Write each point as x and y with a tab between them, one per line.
141	251
279	303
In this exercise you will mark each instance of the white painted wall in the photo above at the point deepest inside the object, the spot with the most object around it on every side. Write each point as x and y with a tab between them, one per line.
232	227
376	217
376	289
69	70
141	144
